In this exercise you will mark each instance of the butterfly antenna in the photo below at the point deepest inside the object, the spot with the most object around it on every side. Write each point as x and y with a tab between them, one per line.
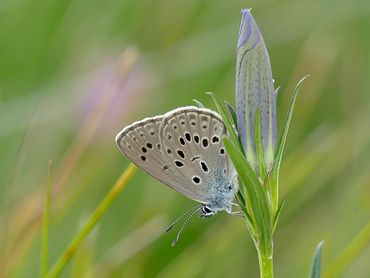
181	217
184	225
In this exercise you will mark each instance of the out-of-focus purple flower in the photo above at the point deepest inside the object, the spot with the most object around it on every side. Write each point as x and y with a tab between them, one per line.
254	89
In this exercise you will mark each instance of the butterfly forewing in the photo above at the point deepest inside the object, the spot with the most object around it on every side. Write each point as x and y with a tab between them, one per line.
183	149
192	143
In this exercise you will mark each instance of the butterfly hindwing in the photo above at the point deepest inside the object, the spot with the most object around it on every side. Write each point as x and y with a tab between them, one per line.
140	143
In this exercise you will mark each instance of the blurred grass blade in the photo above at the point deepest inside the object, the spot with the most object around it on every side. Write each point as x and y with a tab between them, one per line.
260	211
315	271
227	120
45	225
277	214
360	242
259	146
281	144
82	265
232	113
92	221
198	103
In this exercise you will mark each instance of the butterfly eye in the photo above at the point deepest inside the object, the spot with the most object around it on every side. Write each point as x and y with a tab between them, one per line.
206	209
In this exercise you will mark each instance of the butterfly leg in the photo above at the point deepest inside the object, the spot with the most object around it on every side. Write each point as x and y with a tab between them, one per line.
235	204
237	213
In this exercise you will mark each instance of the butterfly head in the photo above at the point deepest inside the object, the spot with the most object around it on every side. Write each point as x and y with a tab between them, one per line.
206	211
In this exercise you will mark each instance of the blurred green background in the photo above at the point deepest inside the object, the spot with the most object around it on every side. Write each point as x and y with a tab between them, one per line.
73	73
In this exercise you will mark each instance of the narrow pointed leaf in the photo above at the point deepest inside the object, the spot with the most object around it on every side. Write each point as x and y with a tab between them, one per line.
232	113
226	118
240	198
257	198
278	212
280	147
198	103
315	271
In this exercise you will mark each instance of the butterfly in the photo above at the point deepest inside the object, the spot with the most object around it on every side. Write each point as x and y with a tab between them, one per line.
183	149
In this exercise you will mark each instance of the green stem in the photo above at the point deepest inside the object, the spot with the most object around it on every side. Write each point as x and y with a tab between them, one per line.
91	222
266	263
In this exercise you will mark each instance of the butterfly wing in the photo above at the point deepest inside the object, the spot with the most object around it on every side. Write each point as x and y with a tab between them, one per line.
140	142
192	144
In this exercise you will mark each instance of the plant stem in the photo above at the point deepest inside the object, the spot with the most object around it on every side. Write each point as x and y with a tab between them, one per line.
91	222
265	262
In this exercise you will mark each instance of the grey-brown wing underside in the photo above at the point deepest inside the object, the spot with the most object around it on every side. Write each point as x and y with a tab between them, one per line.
192	143
141	143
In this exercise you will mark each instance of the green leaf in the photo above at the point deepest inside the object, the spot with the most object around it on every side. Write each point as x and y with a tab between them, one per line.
240	198
251	225
259	146
277	214
226	118
232	113
259	206
315	271
280	146
198	103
